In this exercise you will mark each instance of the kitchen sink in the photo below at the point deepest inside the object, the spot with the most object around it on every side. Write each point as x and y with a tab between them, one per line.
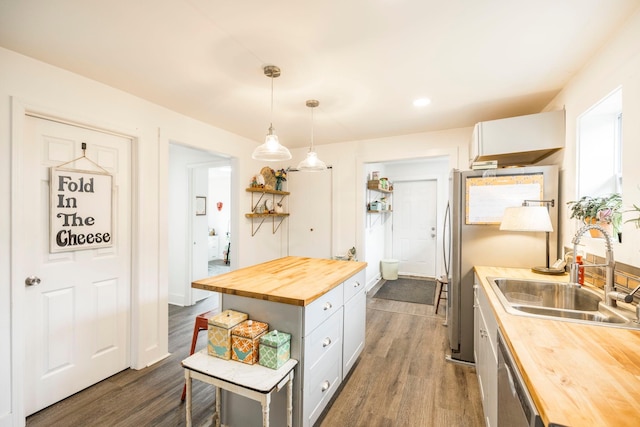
589	316
561	301
548	294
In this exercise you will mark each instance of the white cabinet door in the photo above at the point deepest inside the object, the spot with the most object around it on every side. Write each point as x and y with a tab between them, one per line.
485	348
355	313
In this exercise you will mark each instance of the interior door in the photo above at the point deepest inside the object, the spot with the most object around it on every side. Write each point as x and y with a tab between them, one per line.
414	226
310	205
199	230
77	318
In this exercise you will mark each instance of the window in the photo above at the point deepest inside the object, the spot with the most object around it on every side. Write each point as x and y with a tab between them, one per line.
600	147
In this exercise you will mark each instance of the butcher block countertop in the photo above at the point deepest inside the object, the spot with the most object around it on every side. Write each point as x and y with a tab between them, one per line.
290	280
578	375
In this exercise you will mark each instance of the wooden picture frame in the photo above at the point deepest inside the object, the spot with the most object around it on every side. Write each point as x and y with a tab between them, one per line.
201	205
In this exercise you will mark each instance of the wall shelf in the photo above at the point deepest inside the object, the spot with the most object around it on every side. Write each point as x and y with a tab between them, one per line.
259	217
373	193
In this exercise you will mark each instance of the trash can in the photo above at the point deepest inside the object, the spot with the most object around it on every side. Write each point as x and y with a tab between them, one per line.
389	269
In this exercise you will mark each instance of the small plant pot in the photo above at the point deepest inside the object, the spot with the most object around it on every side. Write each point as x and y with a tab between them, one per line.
597	234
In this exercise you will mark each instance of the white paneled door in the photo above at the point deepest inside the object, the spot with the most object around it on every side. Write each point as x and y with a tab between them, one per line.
77	318
310	205
414	226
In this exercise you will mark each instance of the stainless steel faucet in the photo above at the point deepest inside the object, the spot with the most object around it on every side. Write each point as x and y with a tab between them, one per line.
611	296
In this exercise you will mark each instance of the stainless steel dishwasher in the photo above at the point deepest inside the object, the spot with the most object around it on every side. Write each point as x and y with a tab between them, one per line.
515	407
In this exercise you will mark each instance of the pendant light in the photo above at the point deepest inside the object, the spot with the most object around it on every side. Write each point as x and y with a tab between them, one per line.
271	150
312	163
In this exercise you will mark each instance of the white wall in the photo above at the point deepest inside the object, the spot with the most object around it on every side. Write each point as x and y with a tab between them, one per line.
219	191
29	85
617	64
377	229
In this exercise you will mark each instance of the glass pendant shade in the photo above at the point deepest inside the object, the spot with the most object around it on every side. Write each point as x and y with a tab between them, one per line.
312	163
271	150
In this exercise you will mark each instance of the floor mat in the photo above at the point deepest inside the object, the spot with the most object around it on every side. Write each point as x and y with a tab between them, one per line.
419	291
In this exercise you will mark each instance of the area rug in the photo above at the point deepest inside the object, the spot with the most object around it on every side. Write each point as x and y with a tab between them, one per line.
419	291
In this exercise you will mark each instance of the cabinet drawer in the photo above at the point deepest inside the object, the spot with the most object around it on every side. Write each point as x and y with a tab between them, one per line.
320	383
321	309
353	285
322	340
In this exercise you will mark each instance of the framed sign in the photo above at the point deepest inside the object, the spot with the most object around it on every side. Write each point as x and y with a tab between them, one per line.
81	210
201	205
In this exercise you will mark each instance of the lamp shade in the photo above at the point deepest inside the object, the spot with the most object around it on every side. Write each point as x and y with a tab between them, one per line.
271	150
526	218
312	163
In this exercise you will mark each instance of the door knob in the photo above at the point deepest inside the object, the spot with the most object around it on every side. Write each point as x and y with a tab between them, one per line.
32	280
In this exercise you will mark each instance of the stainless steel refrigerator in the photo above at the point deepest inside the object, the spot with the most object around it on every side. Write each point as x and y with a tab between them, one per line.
473	237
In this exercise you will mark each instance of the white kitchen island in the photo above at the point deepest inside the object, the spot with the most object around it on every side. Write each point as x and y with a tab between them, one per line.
322	304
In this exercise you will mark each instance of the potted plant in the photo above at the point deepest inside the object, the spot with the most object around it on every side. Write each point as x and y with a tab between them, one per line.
281	175
602	210
636	220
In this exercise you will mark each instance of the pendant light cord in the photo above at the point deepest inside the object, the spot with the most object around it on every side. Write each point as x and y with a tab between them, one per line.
312	122
271	121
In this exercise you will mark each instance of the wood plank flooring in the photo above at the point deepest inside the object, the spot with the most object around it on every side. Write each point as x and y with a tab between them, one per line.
401	379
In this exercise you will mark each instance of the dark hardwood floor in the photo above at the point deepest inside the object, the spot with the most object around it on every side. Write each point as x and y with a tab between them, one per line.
401	379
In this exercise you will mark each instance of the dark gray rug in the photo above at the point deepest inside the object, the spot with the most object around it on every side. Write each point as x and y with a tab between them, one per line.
419	291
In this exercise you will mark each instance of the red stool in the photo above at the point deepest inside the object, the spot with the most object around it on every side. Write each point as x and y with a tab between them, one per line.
202	324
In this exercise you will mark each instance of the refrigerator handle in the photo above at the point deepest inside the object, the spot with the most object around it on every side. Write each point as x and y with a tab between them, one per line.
446	239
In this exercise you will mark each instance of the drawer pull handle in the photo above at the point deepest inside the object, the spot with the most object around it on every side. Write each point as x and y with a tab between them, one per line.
356	284
327	306
326	342
325	386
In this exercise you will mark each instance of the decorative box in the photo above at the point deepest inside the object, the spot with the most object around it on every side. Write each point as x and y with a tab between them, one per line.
275	349
245	340
219	332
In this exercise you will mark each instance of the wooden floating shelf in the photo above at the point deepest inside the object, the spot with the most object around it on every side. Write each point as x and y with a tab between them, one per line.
259	218
267	191
383	212
264	215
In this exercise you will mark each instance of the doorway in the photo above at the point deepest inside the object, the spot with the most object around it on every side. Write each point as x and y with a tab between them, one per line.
199	232
412	231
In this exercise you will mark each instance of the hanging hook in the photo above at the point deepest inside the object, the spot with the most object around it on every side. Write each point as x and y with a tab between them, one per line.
84	149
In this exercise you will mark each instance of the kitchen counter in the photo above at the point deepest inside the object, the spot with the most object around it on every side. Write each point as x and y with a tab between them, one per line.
322	304
577	375
289	280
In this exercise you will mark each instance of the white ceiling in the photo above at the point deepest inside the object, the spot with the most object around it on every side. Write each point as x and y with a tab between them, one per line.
364	60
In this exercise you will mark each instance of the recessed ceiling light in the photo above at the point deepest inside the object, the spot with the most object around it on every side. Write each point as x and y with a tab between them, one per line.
421	102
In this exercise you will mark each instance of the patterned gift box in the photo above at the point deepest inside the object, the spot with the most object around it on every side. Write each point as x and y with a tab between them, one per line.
219	332
245	340
275	349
